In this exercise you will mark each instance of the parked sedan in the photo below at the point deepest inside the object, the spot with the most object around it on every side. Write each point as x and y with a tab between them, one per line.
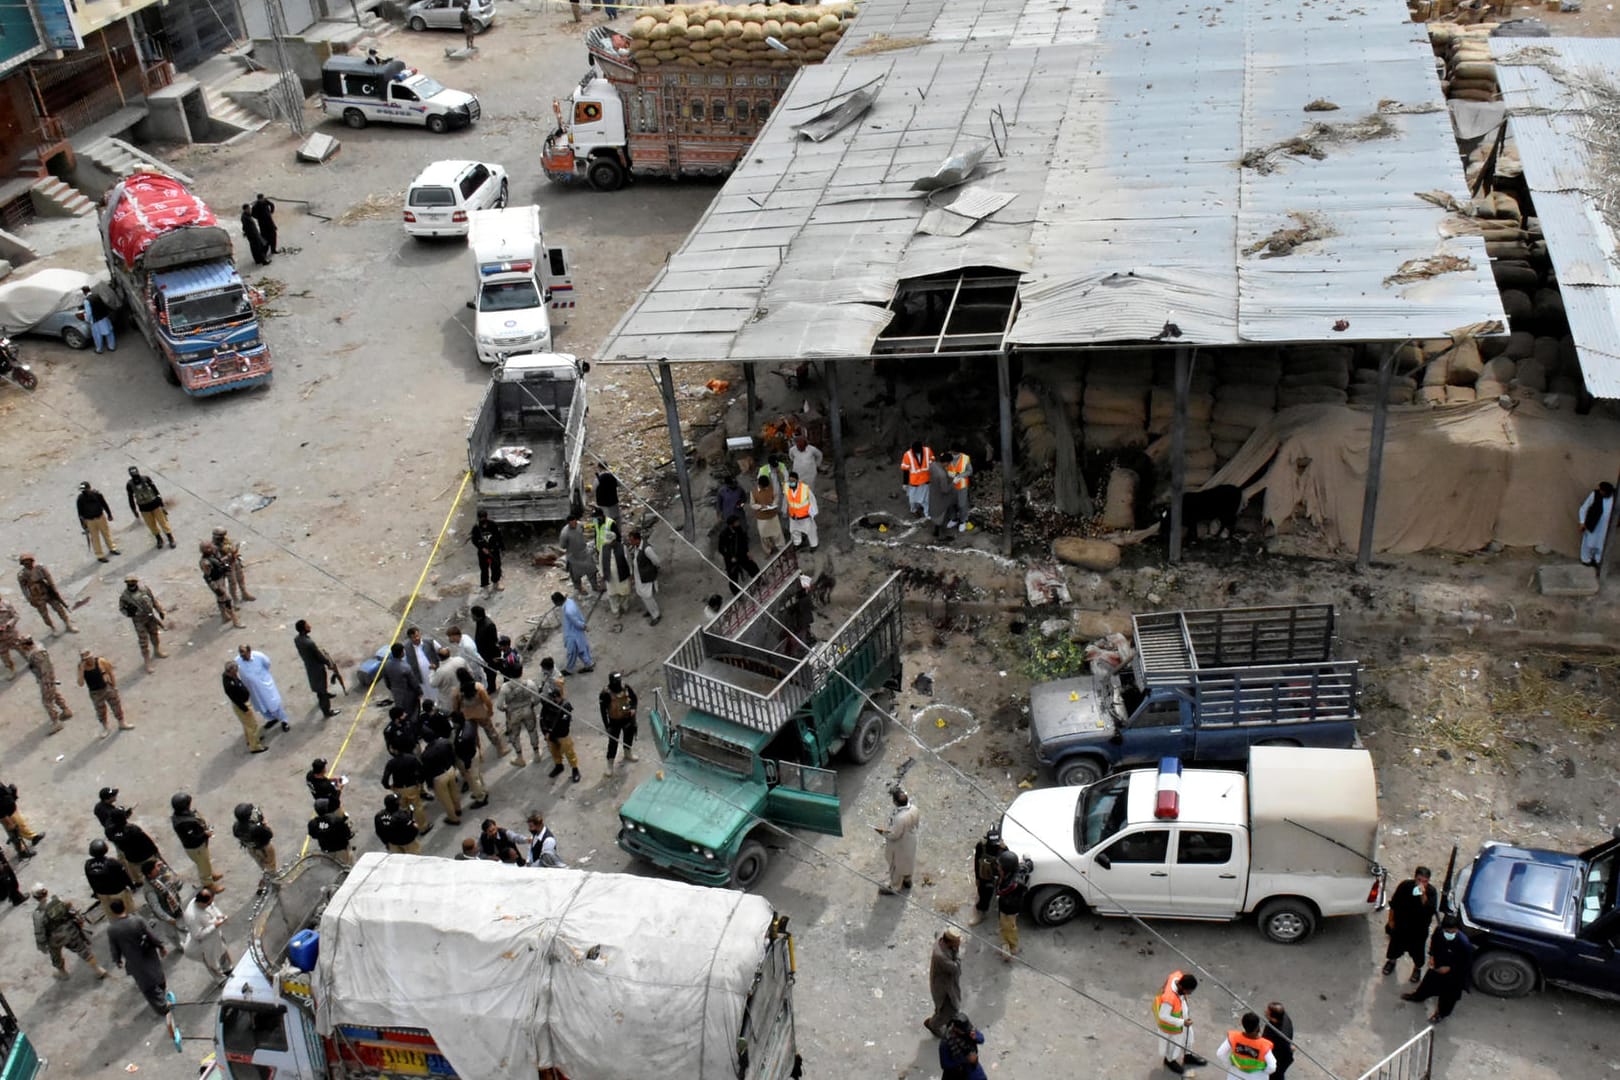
49	304
440	198
446	15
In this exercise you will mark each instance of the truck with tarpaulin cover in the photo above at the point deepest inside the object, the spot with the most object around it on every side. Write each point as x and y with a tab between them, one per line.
768	708
413	966
171	260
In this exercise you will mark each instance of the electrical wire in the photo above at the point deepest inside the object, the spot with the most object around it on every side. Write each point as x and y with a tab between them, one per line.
972	783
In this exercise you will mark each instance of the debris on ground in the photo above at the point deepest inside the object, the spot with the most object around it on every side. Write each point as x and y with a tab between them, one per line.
1312	141
882	43
373	208
1282	242
1321	105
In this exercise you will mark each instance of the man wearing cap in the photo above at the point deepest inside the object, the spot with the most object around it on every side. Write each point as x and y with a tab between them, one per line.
330	830
215	573
96	676
900	842
236	692
95	519
39	588
50	689
231	551
57	926
139	604
147	503
396	827
8	634
945	981
109	879
801	512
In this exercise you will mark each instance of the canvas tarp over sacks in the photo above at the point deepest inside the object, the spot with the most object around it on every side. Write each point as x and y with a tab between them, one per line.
1454	479
492	961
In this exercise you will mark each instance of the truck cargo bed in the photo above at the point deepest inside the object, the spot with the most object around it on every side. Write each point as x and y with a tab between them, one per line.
546	471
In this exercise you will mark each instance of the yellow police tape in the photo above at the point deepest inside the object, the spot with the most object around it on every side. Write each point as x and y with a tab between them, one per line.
466	478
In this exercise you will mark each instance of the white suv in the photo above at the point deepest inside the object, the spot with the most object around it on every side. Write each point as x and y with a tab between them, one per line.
439	200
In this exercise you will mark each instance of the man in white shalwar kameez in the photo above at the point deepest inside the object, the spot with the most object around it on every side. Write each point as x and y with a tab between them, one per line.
1595	521
254	669
203	924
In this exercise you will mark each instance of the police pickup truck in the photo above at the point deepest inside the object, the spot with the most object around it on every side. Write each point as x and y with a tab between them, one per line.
374	89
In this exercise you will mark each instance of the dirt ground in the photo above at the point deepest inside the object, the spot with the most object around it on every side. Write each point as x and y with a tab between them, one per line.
1489	709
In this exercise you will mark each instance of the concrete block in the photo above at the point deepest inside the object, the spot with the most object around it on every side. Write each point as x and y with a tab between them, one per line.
1567	579
318	148
15	250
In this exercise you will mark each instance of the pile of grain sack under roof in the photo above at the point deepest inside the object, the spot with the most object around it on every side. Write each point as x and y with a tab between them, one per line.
1468	73
715	35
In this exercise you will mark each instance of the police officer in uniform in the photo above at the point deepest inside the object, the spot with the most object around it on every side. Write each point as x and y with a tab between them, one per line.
215	574
618	705
39	588
194	833
396	828
256	838
231	551
986	872
147	503
108	879
140	606
330	830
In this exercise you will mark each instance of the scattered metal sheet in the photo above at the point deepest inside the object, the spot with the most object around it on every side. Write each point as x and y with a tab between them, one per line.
952	171
839	117
318	148
972	206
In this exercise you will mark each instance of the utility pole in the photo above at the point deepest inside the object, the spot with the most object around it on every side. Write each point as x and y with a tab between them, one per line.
291	89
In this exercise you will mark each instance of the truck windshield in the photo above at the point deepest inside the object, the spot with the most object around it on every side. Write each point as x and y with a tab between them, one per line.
718	752
508	296
1598	895
200	311
426	87
1101	811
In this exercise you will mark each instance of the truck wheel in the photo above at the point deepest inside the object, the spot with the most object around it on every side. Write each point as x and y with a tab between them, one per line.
605	174
354	118
1054	905
867	738
1078	772
171	376
749	865
437	125
1505	974
74	338
418	24
1287	922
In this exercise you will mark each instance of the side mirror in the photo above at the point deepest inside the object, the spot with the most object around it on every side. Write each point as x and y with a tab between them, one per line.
1104	861
471	306
585	369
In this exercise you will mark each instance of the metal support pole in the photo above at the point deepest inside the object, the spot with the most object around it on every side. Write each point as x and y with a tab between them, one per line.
835	425
751	388
677	447
1004	390
1375	459
1178	449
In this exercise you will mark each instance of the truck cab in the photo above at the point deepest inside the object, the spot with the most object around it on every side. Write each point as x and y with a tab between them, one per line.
766	718
520	284
373	89
1202	686
1538	917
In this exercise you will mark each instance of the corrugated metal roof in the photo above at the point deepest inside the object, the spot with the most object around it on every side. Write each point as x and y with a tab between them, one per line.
1119	130
1563	98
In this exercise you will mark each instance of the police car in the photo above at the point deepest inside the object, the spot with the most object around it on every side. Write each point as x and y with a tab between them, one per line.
372	89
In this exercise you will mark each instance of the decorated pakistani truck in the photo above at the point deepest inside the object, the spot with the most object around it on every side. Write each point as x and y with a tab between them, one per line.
415	966
767	709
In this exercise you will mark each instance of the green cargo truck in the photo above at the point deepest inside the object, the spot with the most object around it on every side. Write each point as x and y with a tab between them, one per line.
763	718
21	1060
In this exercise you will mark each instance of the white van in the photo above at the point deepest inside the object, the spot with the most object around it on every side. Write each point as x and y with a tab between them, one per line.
520	284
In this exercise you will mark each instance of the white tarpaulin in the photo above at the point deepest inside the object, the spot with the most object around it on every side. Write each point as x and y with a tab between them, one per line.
24	303
604	976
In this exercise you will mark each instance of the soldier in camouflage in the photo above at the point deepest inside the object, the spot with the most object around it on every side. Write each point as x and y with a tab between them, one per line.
216	573
39	587
141	607
57	926
50	690
231	551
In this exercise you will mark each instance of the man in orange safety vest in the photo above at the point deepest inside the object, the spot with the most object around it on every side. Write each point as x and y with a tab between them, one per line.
1171	1013
960	467
801	512
1246	1052
914	471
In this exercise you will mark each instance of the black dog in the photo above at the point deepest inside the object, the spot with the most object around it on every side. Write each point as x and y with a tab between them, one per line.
1217	504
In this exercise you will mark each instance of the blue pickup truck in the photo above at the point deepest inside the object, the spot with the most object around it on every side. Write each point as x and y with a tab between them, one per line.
1202	686
1540	917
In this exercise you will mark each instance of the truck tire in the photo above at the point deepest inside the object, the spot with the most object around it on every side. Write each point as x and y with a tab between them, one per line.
74	338
867	738
437	124
1287	921
1505	974
354	118
605	174
418	23
171	376
1054	905
1079	771
749	865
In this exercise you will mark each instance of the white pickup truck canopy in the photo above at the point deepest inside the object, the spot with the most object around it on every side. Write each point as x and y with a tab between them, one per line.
1301	800
604	976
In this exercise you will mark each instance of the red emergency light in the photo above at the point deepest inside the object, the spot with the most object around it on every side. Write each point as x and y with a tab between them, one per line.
1167	793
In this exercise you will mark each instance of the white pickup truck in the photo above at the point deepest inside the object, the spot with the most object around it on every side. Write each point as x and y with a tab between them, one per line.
1292	841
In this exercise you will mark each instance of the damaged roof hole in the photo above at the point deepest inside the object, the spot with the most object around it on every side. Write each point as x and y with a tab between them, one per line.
962	310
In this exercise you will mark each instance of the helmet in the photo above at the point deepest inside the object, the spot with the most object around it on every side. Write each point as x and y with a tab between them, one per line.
390	801
992	836
323	806
98	849
244	811
180	801
1007	861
